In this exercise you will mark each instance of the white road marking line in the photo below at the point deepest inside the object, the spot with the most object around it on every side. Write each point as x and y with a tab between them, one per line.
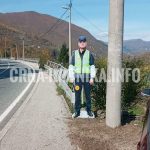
13	104
5	69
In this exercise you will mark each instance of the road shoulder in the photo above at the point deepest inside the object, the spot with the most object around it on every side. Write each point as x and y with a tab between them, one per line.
42	123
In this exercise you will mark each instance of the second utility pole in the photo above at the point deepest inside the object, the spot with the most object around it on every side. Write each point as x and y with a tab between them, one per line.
70	5
23	49
5	46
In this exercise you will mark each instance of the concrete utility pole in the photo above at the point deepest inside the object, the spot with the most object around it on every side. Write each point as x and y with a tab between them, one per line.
16	51
10	52
5	46
23	49
70	41
115	50
70	46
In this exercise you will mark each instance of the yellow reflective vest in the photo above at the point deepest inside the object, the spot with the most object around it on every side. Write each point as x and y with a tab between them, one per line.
82	65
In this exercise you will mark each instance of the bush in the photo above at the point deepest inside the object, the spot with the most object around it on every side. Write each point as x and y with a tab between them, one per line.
98	91
44	57
60	91
130	89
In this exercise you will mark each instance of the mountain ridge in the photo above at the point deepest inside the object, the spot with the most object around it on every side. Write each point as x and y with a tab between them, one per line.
35	24
136	46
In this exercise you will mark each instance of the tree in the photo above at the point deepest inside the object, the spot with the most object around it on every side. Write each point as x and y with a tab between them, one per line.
44	57
63	55
1	52
54	54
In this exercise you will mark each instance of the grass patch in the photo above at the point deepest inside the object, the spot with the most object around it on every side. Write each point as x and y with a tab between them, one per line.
137	110
60	91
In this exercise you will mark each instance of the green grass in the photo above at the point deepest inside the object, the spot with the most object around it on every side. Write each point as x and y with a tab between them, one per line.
60	91
136	110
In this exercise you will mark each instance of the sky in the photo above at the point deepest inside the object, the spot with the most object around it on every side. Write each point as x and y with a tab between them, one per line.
93	15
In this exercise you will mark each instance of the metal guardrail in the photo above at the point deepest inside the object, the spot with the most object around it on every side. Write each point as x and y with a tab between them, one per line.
60	75
33	60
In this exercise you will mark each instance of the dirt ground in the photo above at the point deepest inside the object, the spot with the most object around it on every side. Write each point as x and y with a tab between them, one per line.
93	134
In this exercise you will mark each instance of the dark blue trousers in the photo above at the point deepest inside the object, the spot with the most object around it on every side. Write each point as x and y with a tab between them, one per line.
87	89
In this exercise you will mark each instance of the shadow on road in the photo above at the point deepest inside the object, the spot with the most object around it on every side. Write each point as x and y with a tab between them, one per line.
10	69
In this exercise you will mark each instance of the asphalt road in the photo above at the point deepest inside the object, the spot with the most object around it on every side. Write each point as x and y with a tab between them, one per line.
14	77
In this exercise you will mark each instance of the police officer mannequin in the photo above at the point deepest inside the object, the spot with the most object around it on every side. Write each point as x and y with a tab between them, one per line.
82	73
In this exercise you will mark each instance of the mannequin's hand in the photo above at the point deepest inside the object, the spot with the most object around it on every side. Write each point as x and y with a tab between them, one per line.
91	81
71	80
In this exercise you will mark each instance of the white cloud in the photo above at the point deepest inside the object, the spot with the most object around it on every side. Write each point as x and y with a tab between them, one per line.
144	36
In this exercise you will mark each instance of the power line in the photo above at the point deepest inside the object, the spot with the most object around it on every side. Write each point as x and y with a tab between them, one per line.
95	26
51	29
54	25
85	18
62	21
